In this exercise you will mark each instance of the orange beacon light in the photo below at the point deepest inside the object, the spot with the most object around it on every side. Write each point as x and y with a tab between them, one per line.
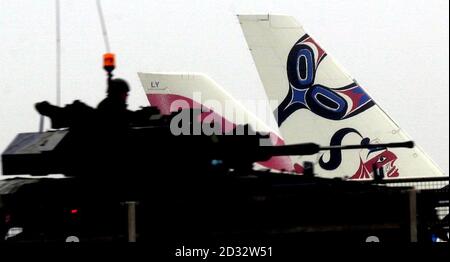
109	63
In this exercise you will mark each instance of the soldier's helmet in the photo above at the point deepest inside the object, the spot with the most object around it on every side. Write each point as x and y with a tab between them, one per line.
117	86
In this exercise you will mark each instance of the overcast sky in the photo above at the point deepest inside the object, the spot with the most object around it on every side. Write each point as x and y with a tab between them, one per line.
397	50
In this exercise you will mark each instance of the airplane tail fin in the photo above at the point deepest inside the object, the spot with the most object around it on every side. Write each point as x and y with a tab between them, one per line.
171	91
317	101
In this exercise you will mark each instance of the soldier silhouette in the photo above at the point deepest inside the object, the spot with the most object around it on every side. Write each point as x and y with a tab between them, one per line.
112	111
112	133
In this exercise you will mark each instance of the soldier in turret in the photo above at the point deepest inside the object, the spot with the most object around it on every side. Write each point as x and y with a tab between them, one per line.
112	111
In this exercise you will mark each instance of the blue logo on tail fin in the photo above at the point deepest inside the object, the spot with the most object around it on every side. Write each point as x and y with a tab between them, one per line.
302	65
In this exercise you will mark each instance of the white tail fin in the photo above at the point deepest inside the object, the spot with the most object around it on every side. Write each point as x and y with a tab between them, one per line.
318	102
169	92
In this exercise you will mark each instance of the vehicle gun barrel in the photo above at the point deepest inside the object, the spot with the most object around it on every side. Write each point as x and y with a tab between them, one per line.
312	148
